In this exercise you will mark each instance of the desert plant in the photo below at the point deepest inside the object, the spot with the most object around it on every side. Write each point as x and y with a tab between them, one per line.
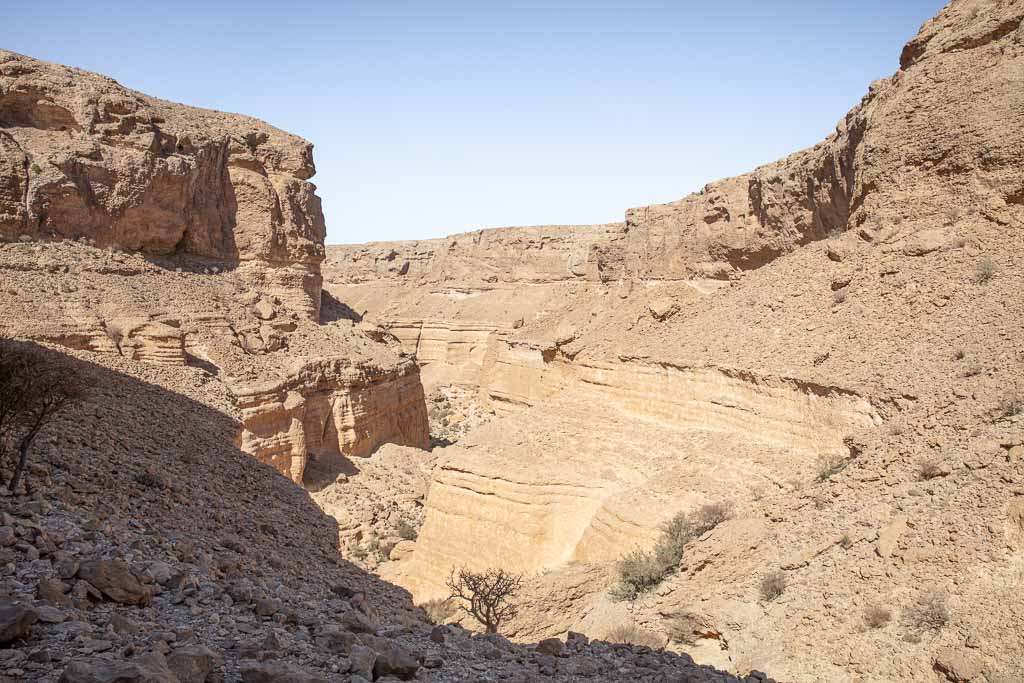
639	572
984	271
708	516
846	541
960	354
439	611
1011	405
830	464
36	169
407	531
839	296
928	469
876	616
631	634
486	596
773	585
34	389
928	613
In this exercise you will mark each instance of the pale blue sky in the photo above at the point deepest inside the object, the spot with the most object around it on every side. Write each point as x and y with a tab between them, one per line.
430	118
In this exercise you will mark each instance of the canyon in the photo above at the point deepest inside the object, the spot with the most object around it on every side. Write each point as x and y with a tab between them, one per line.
292	446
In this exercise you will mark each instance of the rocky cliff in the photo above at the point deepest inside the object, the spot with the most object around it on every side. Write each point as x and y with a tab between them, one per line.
182	237
85	158
827	344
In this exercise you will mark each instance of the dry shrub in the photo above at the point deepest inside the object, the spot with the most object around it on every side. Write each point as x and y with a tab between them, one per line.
640	570
631	634
928	613
984	271
773	585
439	611
488	596
928	469
839	296
876	616
830	464
1011	405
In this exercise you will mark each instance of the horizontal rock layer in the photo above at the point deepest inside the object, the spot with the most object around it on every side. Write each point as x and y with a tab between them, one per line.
82	157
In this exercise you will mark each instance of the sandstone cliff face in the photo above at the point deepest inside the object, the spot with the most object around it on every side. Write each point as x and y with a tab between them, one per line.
537	254
176	236
85	158
939	138
717	351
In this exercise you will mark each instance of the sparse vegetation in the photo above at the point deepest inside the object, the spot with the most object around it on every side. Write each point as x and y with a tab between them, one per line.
1011	405
439	611
773	585
839	296
928	469
632	634
830	464
984	271
36	168
407	531
846	541
928	613
960	354
876	616
486	596
641	570
34	388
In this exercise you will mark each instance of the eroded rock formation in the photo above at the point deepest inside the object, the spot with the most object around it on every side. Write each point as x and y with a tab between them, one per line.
85	158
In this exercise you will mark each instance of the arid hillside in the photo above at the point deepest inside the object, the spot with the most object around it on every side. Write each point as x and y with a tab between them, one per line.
828	347
160	265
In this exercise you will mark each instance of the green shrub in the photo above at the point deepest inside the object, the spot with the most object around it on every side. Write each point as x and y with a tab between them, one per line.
984	271
640	570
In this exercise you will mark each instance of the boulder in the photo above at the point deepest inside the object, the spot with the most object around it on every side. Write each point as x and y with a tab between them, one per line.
115	580
16	622
194	664
663	308
256	672
550	646
149	668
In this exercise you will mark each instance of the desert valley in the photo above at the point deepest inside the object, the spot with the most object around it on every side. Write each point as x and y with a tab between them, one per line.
771	431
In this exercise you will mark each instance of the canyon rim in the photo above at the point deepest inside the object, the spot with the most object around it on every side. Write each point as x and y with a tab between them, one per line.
810	377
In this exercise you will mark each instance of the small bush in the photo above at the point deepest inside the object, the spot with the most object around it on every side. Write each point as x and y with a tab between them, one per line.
439	611
631	634
928	469
928	613
839	296
1012	405
773	585
960	354
639	572
709	516
876	616
846	542
407	531
36	168
830	464
984	271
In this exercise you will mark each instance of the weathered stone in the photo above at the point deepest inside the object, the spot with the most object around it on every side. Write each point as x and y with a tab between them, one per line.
16	622
194	663
115	580
149	668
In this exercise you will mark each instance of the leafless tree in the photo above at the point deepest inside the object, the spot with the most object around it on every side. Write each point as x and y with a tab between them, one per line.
34	388
486	596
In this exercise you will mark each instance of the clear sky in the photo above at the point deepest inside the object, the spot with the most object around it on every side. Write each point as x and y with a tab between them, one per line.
431	117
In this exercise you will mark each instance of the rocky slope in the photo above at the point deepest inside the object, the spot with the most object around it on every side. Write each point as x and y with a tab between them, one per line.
185	237
828	343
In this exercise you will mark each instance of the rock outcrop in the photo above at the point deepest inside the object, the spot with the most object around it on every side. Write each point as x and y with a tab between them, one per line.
85	158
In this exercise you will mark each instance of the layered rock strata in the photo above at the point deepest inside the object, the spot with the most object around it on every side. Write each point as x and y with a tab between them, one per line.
85	158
